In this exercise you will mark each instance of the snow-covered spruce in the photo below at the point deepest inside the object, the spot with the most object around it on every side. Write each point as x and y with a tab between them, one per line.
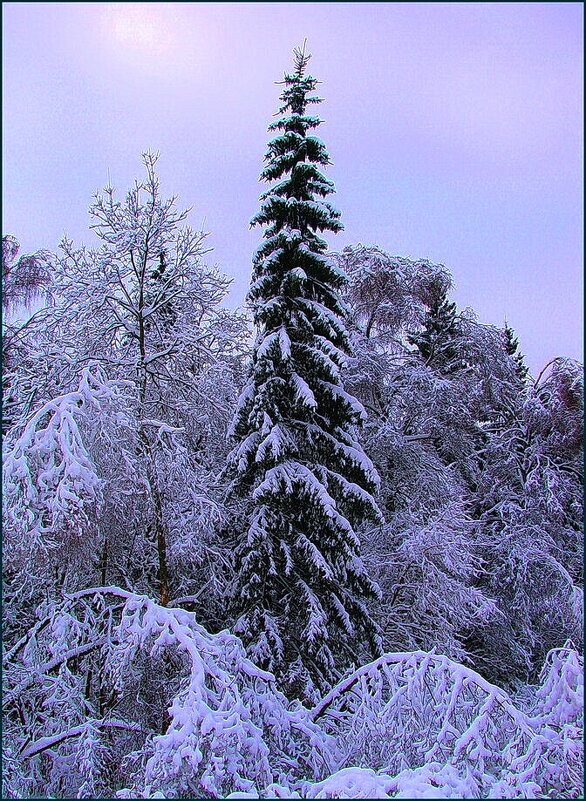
301	587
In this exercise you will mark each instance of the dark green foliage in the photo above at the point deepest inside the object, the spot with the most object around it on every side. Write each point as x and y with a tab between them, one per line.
437	342
512	349
301	586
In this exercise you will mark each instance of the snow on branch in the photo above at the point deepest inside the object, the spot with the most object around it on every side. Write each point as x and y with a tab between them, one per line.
413	709
226	721
51	485
50	742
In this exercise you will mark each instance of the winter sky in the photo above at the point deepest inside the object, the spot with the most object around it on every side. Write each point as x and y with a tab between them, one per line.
455	130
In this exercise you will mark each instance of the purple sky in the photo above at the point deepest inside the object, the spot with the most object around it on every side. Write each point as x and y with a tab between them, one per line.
455	130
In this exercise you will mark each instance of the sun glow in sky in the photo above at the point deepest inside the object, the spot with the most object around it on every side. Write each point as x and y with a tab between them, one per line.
141	27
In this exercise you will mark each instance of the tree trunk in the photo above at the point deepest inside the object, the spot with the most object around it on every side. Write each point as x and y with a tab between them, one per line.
163	573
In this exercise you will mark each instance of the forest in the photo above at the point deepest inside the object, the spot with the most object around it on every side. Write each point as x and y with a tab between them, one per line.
328	545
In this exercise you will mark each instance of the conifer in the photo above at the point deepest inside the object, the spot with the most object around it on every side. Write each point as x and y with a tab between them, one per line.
301	586
438	341
512	349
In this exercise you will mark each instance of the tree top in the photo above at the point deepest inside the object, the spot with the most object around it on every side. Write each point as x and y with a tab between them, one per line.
301	59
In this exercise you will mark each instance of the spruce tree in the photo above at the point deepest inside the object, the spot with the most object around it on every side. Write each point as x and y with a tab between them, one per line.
301	586
438	341
512	349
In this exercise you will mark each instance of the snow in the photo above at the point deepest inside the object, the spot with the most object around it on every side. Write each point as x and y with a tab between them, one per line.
291	476
319	142
45	743
298	272
120	493
276	444
280	338
350	490
352	783
285	343
560	699
287	119
216	712
339	392
303	392
429	781
346	447
48	471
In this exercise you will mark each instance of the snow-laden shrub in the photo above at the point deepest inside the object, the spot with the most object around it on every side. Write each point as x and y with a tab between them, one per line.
560	698
558	711
57	496
118	691
229	726
112	694
406	711
54	702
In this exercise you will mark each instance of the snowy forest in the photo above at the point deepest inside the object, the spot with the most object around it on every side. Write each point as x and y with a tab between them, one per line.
325	546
